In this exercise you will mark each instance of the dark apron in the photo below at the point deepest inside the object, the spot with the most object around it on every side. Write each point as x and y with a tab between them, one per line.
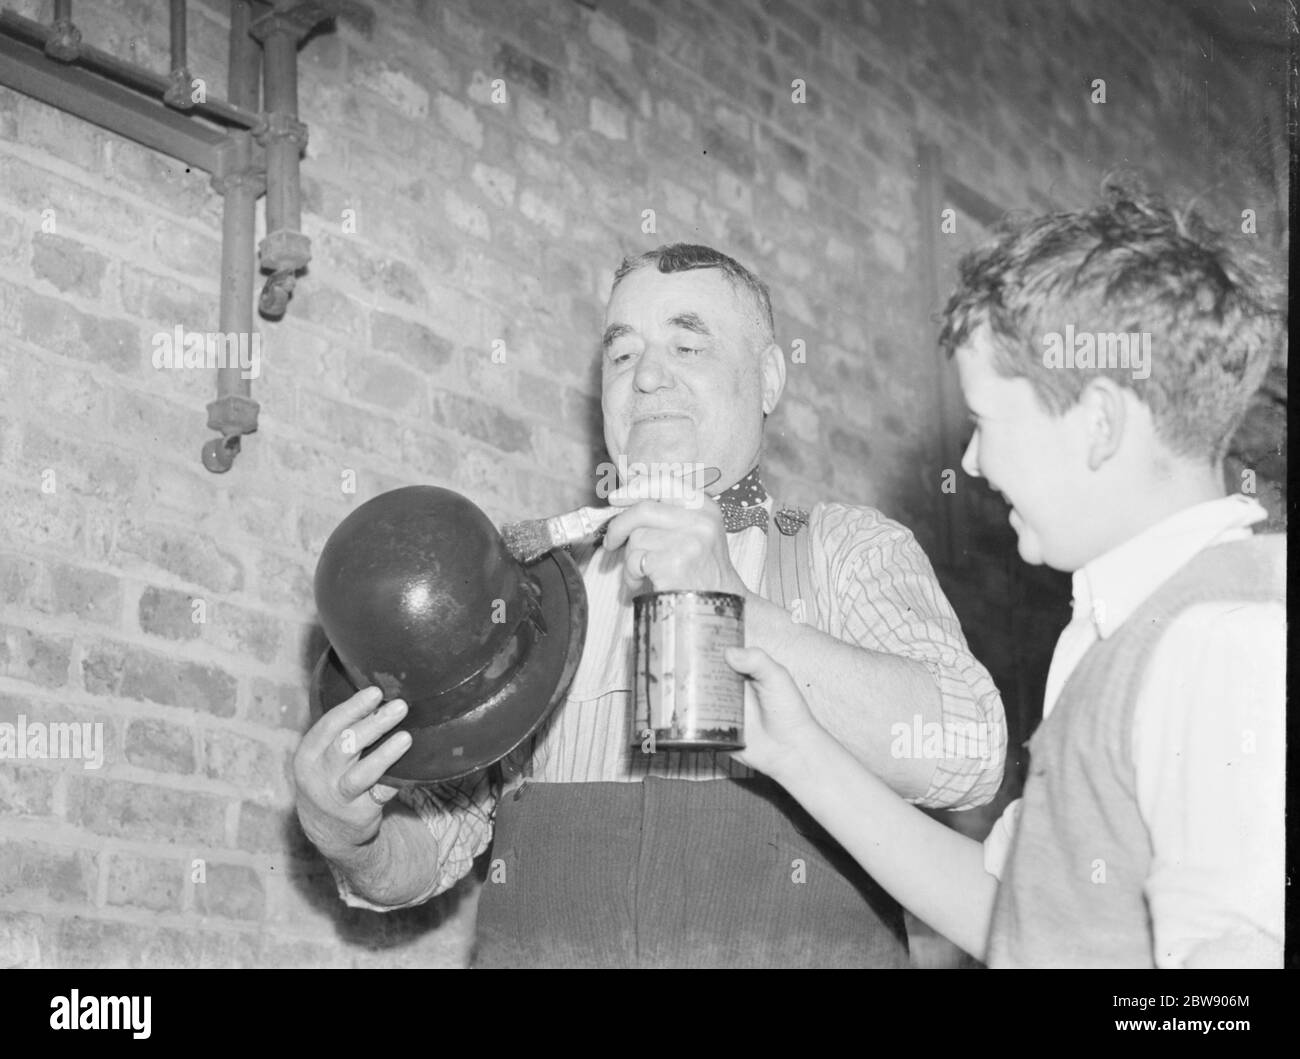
676	873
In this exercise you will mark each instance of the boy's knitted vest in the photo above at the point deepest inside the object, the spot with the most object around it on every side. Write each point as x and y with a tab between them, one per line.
1072	891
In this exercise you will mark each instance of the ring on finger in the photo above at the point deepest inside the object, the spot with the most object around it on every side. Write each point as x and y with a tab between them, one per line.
641	565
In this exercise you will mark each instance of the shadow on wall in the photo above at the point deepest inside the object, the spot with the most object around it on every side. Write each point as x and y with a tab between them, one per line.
384	934
387	938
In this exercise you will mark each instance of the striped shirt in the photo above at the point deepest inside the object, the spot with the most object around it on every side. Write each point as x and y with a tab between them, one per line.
875	588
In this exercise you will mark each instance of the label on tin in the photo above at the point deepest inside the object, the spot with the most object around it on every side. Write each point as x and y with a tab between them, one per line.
685	692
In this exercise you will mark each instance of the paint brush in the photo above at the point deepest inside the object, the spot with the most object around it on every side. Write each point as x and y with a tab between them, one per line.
529	541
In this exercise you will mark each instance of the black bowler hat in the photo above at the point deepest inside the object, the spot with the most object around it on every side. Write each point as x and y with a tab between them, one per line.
419	596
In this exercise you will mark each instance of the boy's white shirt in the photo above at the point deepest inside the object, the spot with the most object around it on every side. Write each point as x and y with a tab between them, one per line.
1208	739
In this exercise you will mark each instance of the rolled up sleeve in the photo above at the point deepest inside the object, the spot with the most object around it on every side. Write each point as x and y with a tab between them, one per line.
886	598
459	817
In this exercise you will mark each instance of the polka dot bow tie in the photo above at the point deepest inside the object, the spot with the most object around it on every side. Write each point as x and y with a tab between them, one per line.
742	504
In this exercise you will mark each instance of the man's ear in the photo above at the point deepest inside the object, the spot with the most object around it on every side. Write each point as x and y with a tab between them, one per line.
773	368
1106	416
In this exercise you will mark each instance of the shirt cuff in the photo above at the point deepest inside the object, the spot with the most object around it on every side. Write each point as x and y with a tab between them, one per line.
354	900
459	817
973	735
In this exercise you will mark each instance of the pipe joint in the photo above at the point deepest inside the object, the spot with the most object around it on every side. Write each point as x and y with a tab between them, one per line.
180	90
233	413
252	180
219	453
278	126
276	292
284	249
295	22
64	41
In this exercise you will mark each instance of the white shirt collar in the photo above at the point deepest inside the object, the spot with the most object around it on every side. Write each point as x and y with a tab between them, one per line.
1113	585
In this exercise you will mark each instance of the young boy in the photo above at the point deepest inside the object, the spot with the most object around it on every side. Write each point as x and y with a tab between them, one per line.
1150	832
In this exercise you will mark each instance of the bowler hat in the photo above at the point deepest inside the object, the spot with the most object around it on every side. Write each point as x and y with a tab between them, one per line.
419	596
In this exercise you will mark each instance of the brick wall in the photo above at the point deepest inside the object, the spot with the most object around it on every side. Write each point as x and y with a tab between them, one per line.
450	221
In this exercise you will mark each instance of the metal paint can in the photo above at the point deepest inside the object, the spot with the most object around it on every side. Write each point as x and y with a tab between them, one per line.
684	691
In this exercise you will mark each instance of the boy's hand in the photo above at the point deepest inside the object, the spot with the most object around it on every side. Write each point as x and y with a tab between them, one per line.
779	727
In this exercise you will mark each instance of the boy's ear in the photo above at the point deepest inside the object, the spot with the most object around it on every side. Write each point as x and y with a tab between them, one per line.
773	369
1105	418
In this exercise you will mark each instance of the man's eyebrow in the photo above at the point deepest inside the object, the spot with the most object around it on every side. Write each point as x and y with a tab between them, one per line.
691	322
613	333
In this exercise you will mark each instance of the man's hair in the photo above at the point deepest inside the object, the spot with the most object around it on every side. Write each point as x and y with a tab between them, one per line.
1129	265
682	257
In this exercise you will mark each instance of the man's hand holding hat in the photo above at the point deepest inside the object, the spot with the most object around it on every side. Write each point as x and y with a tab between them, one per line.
340	798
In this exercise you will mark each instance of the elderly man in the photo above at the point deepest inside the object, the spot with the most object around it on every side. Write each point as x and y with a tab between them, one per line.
603	855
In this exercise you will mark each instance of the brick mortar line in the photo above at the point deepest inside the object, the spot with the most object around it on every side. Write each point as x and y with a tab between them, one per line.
41	159
109	248
197	782
457	388
122	708
54	915
70	838
374	463
114	251
755	116
271	924
133	581
371	464
201	653
113	310
135	915
104	375
172	582
168	517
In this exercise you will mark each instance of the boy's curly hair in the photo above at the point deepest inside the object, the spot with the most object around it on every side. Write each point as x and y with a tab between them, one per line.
1131	264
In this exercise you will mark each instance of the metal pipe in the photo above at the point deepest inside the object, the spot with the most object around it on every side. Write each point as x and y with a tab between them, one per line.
178	34
77	91
64	40
285	250
25	31
234	412
179	92
244	90
282	202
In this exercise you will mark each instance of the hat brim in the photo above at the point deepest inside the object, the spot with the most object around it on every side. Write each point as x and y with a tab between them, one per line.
462	745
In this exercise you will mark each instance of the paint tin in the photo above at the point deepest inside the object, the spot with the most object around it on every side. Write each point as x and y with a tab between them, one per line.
684	692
